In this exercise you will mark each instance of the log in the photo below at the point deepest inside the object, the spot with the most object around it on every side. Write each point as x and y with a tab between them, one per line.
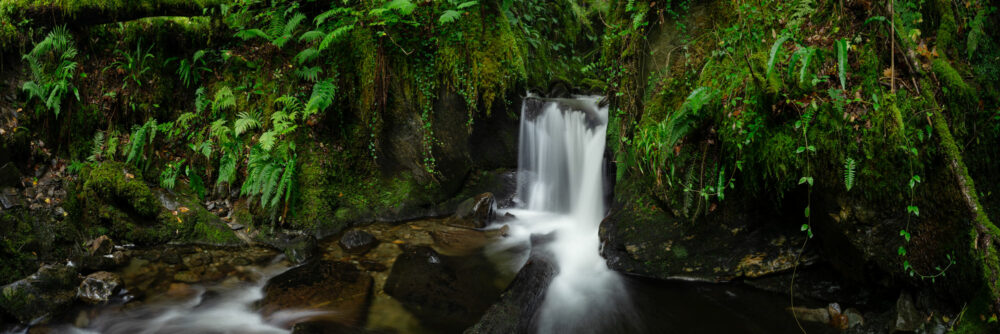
93	12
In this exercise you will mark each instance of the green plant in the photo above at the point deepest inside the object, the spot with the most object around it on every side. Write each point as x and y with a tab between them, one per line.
52	67
279	31
190	70
168	178
140	147
135	65
842	46
452	15
849	172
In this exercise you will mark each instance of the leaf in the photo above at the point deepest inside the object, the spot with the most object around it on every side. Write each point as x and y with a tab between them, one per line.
849	173
807	212
901	251
403	7
306	55
245	121
334	36
842	47
913	209
449	16
774	52
252	33
467	4
311	35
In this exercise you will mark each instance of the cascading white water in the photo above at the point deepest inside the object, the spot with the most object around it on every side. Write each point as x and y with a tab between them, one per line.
560	190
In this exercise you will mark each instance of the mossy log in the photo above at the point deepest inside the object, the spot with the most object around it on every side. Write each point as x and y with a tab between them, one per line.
92	12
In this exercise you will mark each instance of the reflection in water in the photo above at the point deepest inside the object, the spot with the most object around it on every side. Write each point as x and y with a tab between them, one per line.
219	309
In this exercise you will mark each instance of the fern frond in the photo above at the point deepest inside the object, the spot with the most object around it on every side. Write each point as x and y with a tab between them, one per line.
224	99
842	47
310	74
306	55
251	34
774	52
322	97
246	121
310	36
849	172
334	36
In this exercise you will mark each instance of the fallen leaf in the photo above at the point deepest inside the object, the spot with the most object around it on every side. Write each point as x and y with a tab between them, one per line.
183	209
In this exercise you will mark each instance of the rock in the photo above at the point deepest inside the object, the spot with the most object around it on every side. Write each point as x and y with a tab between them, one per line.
357	242
99	287
9	198
479	210
455	241
820	315
446	293
323	285
854	318
187	276
100	246
520	301
908	319
297	247
10	176
51	289
328	327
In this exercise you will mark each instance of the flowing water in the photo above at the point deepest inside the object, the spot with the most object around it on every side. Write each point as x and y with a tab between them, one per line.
561	194
561	191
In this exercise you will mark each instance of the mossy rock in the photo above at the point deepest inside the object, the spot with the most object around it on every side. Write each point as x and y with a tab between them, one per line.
115	183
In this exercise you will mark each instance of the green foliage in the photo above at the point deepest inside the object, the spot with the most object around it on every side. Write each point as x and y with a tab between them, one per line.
141	144
224	99
849	172
52	64
190	70
775	48
168	178
134	64
452	15
842	47
323	93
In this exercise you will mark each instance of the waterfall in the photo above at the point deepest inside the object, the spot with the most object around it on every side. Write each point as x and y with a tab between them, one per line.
560	190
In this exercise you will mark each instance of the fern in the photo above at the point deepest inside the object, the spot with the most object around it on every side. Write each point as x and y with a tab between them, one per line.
200	102
97	147
224	99
52	67
849	172
449	16
322	97
334	36
246	121
774	52
140	143
306	55
310	74
168	178
251	34
842	61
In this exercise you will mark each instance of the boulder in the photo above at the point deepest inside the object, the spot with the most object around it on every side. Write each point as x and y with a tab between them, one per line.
99	287
908	319
297	247
9	198
100	246
519	303
446	293
322	285
50	290
479	211
357	242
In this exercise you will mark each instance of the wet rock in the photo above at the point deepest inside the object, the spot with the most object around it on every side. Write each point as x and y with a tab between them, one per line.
99	287
100	246
187	276
357	242
297	247
464	241
735	241
908	319
323	285
47	291
329	327
519	303
446	293
479	210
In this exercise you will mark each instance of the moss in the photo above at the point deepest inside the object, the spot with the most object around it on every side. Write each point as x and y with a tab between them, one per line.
115	183
17	233
947	29
975	318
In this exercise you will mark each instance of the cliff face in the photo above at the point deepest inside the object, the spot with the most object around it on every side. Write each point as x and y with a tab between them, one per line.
844	123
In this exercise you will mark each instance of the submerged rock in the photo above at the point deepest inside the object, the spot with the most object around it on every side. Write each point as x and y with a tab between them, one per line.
357	242
479	211
446	293
99	287
297	247
47	291
336	287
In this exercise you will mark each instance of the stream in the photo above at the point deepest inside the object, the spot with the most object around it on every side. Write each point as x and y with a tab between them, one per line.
561	194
